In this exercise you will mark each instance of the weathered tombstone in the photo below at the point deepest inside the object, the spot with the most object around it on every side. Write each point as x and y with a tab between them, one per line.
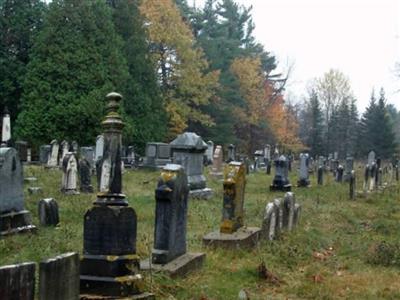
88	154
209	153
231	153
352	185
17	282
339	173
59	278
99	147
188	150
48	212
130	157
291	211
169	253
349	168
303	181
6	129
233	233
70	175
74	147
269	226
44	154
13	217
53	155
281	180
259	160
157	155
216	169
110	225
320	179
85	171
22	149
64	150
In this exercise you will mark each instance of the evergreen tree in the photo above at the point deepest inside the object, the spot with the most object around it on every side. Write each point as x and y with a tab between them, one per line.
142	102
76	60
315	129
20	21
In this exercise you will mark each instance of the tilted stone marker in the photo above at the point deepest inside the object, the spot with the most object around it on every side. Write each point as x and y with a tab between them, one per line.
13	216
85	172
281	180
304	180
188	150
70	174
169	253
48	212
110	225
233	233
59	278
218	159
17	282
52	161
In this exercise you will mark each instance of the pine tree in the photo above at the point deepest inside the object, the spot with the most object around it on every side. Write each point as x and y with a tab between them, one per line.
76	60
20	21
315	136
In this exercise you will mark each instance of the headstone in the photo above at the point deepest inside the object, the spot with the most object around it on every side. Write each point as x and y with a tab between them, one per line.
259	160
48	212
53	156
59	277
188	150
281	180
232	233
74	147
70	174
88	154
29	155
44	154
352	185
22	149
269	228
209	153
216	169
304	181
13	217
110	225
6	129
64	151
85	172
290	211
157	155
231	153
320	175
339	173
130	157
99	147
17	282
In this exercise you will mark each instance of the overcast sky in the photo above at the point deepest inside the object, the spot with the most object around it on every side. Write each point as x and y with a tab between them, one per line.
359	37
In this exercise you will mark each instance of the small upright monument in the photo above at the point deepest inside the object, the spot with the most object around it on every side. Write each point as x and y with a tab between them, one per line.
281	179
218	159
304	181
52	161
109	266
6	129
70	174
233	233
231	153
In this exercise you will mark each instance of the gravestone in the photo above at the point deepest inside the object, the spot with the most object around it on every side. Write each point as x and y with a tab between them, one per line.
70	174
99	148
17	282
85	172
6	129
231	153
130	157
110	225
59	278
268	160
269	228
13	216
349	168
259	160
320	179
188	150
29	155
209	153
48	212
304	181
52	161
88	154
216	169
64	150
157	155
281	180
22	149
169	253
352	185
232	233
339	173
74	147
44	154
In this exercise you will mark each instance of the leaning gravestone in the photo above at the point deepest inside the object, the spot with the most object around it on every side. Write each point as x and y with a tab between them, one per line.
216	169
13	217
233	233
85	172
6	129
70	175
304	181
169	253
48	212
53	156
188	150
109	267
281	180
59	278
17	282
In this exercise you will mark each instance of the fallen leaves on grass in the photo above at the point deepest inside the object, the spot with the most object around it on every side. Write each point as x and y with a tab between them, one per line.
268	276
323	255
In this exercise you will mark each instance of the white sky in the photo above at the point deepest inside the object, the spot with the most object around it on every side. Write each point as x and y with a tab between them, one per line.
359	37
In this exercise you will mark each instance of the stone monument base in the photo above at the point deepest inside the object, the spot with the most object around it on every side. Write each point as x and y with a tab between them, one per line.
205	194
244	237
70	192
180	266
303	183
16	222
283	188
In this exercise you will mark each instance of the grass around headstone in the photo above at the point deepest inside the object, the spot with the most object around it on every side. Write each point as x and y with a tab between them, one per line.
340	249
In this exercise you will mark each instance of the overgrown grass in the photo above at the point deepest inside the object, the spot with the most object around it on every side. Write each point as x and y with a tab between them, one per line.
361	238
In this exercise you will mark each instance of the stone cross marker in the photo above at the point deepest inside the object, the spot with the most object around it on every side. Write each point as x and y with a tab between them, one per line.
303	172
234	187
171	214
70	174
17	282
110	225
6	129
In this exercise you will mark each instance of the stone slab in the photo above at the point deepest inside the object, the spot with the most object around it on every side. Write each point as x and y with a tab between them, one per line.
35	190
204	194
16	222
245	237
180	266
17	282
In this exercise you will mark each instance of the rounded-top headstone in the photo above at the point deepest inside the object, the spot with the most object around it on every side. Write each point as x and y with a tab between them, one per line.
189	141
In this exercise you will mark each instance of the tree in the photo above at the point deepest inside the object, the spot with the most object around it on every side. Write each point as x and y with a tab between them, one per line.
142	99
186	85
76	60
315	128
20	21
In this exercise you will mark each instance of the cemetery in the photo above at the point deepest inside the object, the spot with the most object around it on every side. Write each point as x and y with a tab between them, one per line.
157	150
